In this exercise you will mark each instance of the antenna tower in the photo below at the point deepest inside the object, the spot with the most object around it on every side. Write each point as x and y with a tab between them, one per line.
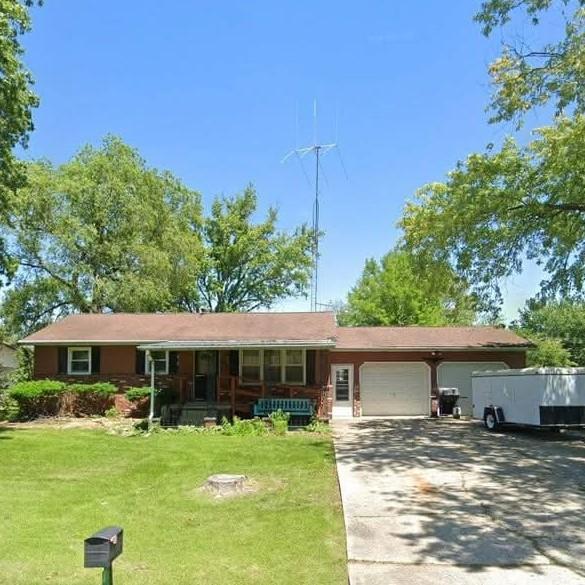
318	151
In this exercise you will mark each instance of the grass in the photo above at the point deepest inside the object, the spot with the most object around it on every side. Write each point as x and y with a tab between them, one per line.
59	486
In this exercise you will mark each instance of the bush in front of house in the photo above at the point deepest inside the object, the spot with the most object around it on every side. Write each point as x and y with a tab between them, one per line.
53	398
136	393
37	397
242	427
88	399
279	420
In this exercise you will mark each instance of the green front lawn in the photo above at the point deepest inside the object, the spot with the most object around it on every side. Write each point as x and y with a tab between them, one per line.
58	486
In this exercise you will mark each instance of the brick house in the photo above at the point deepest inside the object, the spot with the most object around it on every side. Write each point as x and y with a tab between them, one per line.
227	361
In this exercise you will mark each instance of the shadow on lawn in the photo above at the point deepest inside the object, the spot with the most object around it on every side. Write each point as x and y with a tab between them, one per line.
465	494
3	432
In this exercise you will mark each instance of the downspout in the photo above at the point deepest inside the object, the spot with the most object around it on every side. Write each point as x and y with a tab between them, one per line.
152	392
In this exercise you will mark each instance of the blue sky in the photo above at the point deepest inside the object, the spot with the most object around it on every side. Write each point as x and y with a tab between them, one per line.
209	90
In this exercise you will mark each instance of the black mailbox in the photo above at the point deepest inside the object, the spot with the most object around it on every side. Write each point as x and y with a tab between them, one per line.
103	547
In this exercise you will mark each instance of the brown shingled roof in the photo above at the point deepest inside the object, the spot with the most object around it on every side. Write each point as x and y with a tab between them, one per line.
427	338
265	328
152	327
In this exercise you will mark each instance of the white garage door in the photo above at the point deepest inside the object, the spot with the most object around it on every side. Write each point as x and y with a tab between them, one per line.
395	388
458	375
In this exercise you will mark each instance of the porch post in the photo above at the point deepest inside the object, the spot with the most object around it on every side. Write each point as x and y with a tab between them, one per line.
151	366
433	363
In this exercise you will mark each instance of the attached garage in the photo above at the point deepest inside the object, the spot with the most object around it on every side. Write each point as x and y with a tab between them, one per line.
458	375
395	388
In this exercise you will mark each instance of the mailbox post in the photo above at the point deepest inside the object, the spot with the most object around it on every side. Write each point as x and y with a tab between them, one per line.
101	548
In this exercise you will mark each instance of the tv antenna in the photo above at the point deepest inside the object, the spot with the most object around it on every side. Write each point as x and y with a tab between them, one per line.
318	150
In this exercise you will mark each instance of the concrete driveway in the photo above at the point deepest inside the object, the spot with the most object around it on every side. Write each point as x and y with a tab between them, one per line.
444	501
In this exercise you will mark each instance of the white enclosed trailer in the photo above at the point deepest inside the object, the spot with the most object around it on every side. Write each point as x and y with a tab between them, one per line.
540	397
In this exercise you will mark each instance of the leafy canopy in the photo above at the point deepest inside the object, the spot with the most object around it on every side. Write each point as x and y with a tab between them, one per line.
17	100
561	321
247	265
403	290
525	77
102	232
499	208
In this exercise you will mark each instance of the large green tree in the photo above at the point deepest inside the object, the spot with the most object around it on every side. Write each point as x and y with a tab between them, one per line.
525	76
403	290
499	208
102	232
17	101
563	321
249	265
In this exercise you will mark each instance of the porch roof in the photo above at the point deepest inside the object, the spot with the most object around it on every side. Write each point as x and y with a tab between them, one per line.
239	344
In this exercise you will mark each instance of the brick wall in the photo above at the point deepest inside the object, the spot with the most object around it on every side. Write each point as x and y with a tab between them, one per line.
514	359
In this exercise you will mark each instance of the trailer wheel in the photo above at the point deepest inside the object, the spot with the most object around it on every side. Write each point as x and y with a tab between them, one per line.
490	421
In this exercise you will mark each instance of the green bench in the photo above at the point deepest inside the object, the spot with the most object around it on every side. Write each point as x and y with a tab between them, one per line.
296	407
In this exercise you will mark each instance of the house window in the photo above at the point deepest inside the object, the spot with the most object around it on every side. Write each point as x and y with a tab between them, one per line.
294	366
250	361
273	366
79	360
160	359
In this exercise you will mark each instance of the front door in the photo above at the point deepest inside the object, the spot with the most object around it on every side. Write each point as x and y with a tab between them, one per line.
342	378
206	375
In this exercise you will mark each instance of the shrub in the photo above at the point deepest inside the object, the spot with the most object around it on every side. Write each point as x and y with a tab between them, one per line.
37	397
52	397
279	420
99	388
112	412
318	426
241	427
137	393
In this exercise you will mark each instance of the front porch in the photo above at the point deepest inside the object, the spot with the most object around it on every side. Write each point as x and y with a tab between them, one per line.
212	383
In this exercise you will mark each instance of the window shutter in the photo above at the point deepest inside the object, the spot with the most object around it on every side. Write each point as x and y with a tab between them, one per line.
62	361
311	355
173	362
140	361
234	362
95	359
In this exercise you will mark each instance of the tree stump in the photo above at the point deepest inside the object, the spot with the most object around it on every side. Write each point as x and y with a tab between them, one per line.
225	484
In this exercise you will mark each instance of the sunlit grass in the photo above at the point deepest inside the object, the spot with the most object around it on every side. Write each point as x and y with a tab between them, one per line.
59	486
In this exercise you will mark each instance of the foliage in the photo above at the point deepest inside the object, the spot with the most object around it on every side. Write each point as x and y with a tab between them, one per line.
101	388
37	388
404	290
24	370
52	397
17	101
526	77
239	427
135	394
496	209
102	232
37	397
499	208
563	322
279	420
318	426
112	412
548	351
248	266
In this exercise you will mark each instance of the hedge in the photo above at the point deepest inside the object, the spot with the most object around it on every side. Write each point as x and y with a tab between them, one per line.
51	398
137	393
